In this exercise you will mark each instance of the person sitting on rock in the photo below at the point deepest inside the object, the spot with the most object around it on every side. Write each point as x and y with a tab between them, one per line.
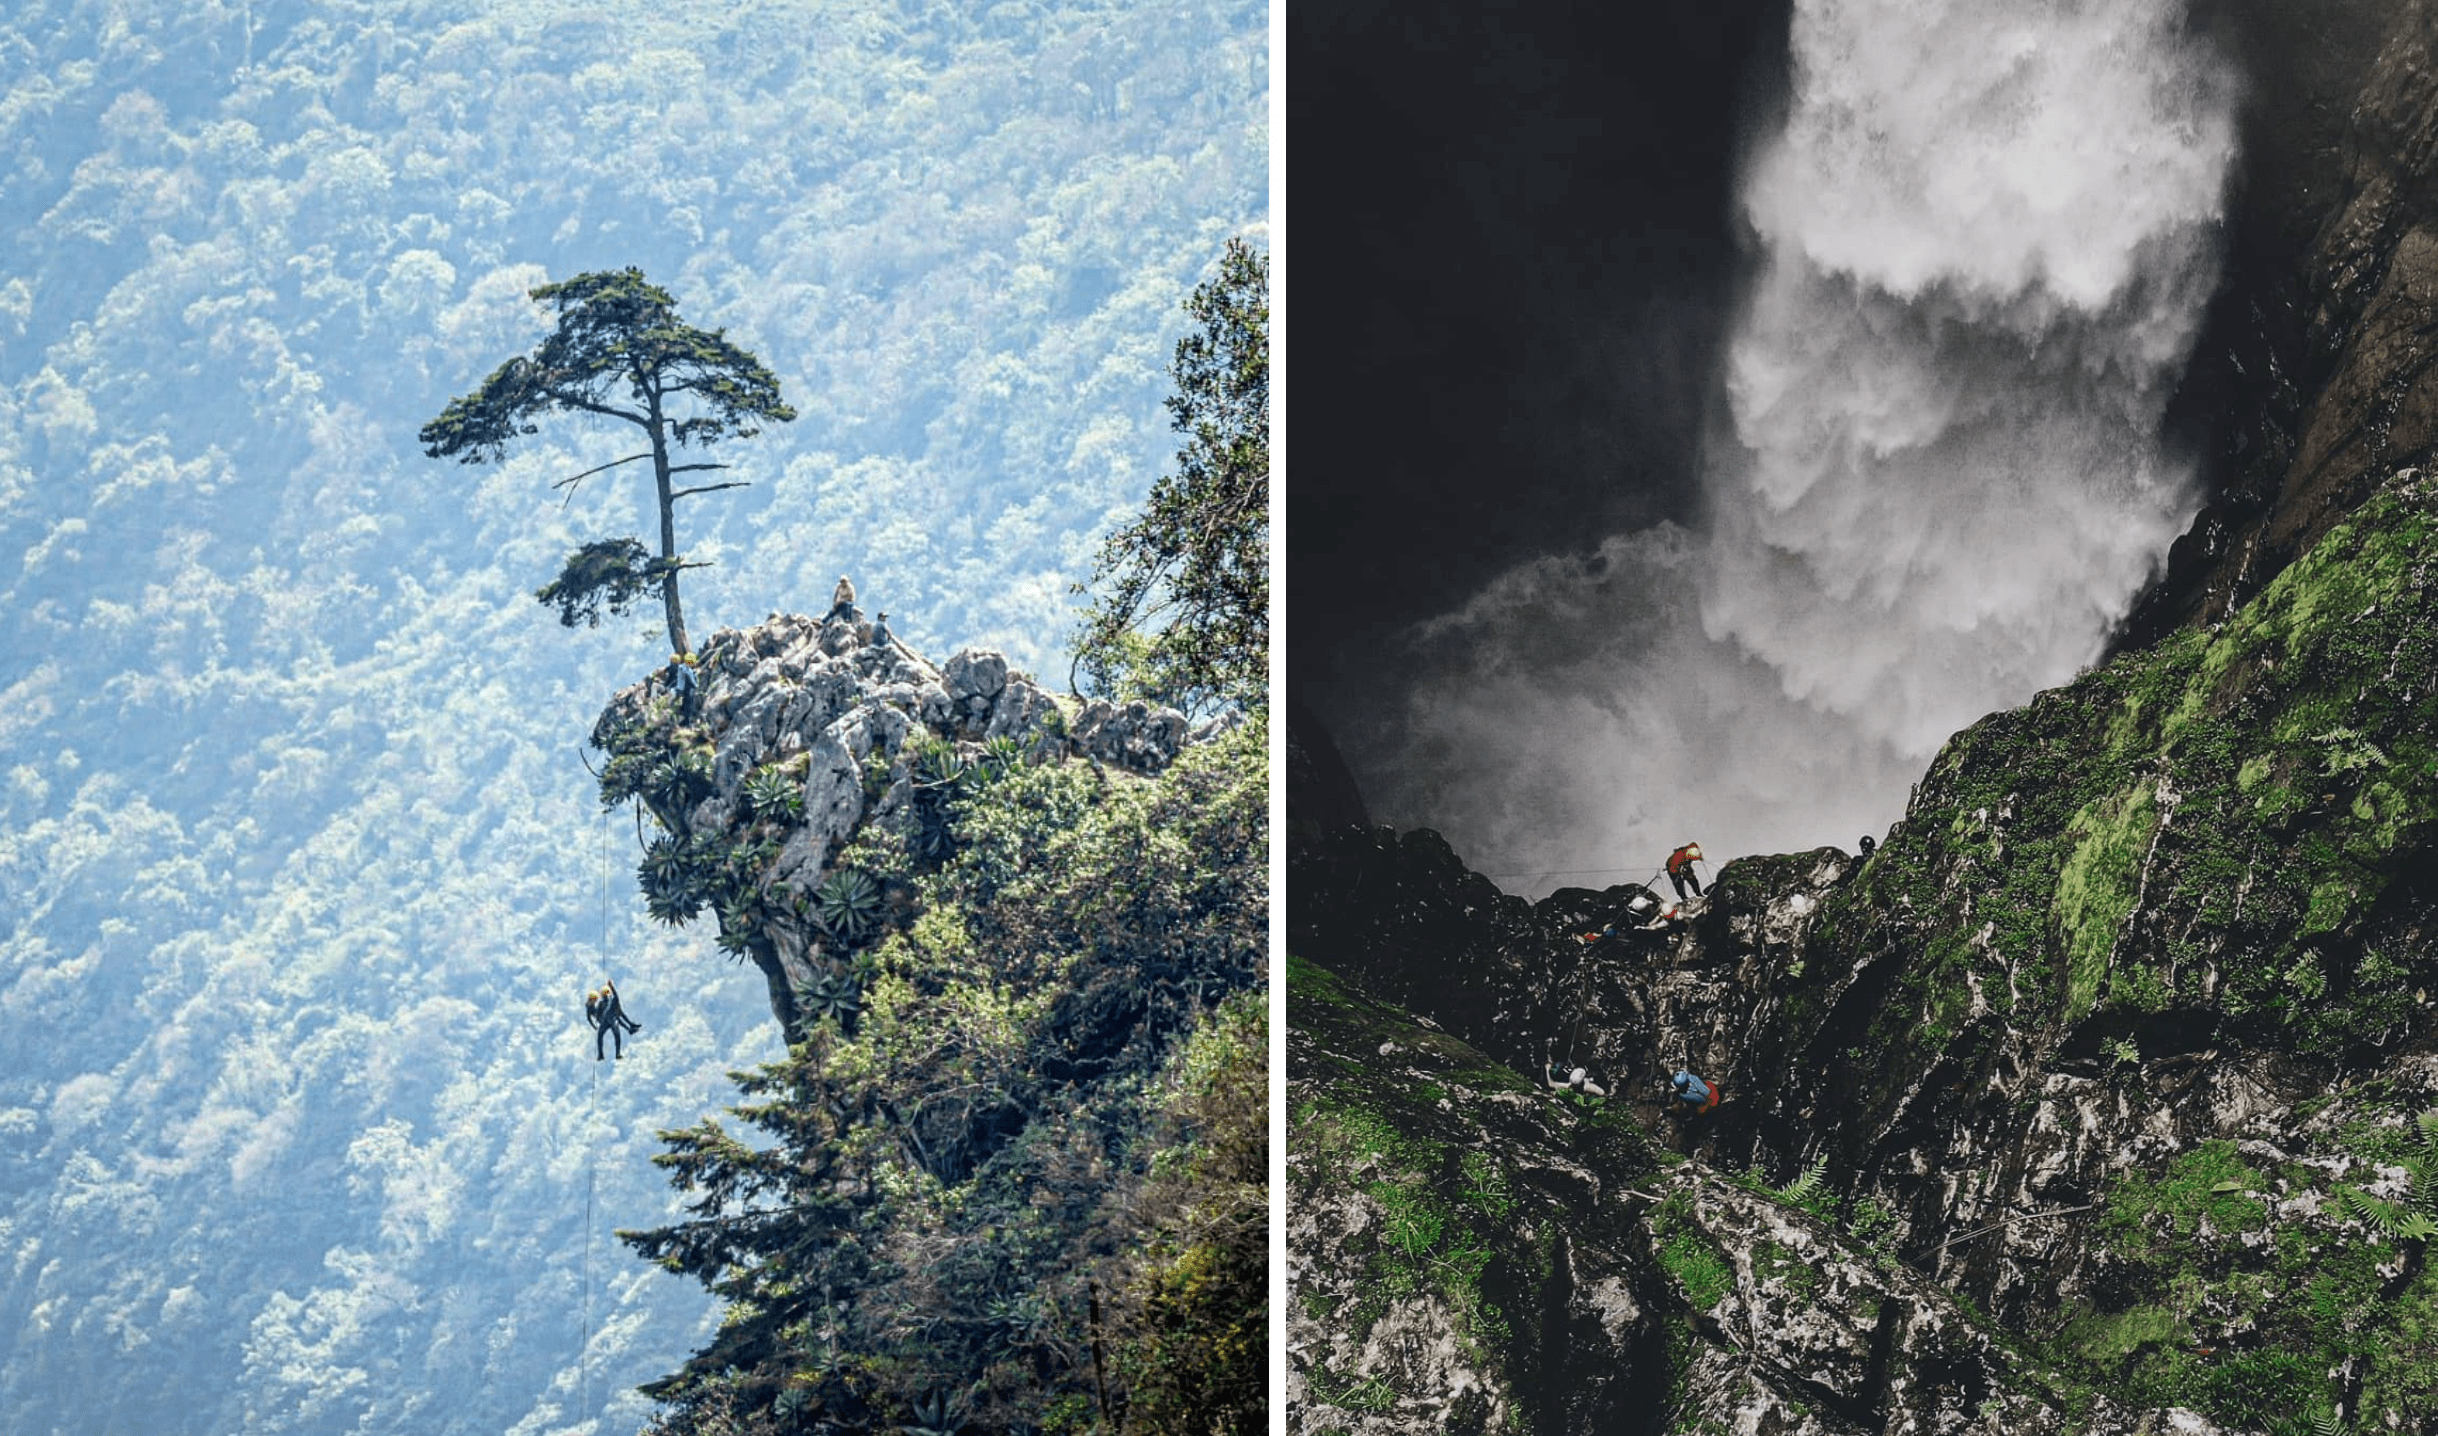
880	632
1575	1081
1693	1095
609	1017
842	601
1588	938
1680	869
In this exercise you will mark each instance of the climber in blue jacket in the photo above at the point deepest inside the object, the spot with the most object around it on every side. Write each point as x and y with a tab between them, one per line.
1692	1094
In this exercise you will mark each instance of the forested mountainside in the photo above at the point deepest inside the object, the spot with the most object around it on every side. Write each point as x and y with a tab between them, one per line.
303	881
2102	1096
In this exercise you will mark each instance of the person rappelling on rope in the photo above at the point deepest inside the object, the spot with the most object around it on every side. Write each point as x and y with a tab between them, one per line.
608	1017
1575	1080
1693	1095
1680	869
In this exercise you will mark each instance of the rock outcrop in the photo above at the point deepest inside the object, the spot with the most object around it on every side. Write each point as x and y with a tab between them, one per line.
1469	1253
800	732
2127	1026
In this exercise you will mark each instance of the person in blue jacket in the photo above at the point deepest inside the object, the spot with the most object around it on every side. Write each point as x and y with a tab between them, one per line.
1692	1094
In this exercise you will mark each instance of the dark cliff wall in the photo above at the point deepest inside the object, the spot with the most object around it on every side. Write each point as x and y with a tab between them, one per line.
2311	380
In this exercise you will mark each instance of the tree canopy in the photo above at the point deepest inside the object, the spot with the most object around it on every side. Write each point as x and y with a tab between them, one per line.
1181	606
619	350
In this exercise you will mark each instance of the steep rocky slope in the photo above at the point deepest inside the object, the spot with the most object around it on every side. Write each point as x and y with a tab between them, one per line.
1469	1253
2128	1023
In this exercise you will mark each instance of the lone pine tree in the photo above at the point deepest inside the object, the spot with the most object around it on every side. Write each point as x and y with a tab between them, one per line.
619	350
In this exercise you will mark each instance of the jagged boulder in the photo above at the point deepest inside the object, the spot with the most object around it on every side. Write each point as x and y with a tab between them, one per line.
1132	735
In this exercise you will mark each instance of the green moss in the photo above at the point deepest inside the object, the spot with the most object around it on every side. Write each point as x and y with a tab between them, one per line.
1774	1263
2209	1183
2097	886
1688	1254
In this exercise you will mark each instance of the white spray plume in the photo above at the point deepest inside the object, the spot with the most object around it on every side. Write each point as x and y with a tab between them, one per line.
1988	232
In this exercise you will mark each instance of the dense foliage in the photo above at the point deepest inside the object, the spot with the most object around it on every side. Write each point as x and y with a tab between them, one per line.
1181	612
950	1216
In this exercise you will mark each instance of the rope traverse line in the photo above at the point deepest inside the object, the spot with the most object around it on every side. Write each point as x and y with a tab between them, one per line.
592	1168
584	1353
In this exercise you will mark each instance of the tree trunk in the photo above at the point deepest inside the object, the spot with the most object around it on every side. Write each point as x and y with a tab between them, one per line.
668	522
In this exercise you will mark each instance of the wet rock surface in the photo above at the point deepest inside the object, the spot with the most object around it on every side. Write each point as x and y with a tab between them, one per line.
2326	337
2126	1028
1469	1253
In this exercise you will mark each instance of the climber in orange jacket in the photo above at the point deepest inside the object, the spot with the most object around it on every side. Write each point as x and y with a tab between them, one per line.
1680	869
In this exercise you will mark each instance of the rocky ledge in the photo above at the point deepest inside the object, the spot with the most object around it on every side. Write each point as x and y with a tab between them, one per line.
798	733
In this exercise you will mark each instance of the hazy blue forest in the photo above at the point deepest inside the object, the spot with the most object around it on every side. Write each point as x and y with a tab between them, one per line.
301	877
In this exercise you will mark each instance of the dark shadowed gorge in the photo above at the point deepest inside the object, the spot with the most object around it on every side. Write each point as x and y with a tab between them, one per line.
2101	1097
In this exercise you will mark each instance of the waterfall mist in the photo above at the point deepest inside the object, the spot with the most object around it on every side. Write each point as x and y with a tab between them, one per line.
1985	237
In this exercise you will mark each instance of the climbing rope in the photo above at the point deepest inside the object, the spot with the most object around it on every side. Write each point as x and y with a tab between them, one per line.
1654	876
592	1166
584	1353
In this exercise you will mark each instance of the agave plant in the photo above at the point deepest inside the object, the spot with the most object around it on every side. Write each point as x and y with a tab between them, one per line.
847	905
1001	756
681	780
1013	1318
835	996
736	923
773	794
935	1415
939	765
622	777
672	876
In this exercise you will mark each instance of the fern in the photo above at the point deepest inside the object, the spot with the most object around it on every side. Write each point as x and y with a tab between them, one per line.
2325	1422
1806	1189
2394	1220
2424	1167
